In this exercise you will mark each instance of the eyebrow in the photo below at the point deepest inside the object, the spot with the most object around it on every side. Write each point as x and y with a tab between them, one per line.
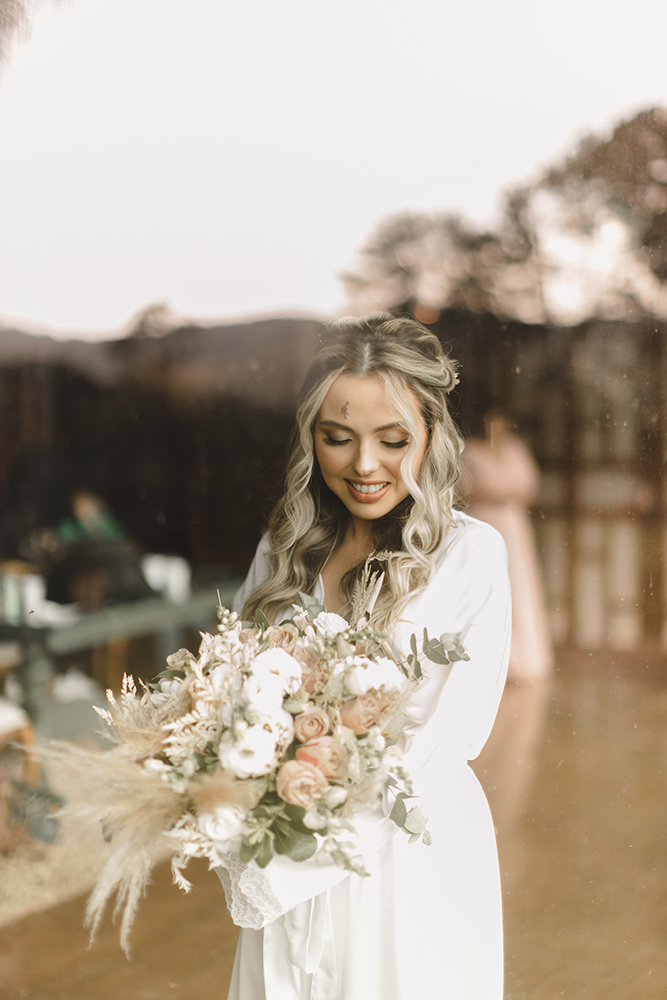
344	427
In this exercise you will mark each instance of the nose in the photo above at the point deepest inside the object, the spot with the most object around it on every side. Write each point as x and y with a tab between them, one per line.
366	461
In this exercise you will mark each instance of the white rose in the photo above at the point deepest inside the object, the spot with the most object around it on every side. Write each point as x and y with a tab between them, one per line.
187	767
219	675
281	723
253	754
326	621
314	819
263	695
223	824
169	686
158	768
382	675
335	796
278	665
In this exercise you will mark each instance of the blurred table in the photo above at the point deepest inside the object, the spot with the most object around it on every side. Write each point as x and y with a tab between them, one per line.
114	624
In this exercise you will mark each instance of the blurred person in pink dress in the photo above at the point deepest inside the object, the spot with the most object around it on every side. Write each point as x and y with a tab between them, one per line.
500	480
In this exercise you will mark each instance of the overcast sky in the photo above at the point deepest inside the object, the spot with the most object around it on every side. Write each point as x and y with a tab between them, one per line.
228	158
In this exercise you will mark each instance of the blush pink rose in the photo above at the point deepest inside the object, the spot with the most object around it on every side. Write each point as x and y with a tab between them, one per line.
300	783
327	754
311	724
359	714
315	673
315	679
282	637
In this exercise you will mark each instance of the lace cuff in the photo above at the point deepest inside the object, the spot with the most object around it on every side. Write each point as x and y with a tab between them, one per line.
250	900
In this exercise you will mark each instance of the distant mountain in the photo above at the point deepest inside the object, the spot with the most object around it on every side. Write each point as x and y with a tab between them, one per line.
91	359
264	362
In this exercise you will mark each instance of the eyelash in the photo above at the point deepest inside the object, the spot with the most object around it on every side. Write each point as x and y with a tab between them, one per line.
387	444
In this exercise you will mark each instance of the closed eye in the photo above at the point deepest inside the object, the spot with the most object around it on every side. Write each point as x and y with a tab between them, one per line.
334	441
396	444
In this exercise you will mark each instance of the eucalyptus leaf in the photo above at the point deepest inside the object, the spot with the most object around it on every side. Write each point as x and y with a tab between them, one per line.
262	621
248	852
436	654
311	604
265	852
271	799
415	821
295	813
294	841
399	813
171	675
450	640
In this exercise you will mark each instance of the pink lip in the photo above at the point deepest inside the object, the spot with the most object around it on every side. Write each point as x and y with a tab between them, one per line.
367	497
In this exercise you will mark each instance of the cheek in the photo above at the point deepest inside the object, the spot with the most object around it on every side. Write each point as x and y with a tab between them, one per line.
327	459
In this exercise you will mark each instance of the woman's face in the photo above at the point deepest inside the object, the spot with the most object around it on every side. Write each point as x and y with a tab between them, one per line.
360	443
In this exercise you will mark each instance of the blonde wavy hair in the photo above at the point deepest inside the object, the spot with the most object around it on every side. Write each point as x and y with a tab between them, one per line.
309	521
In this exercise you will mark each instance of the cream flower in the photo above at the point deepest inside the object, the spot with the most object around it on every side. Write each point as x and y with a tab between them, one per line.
222	825
253	754
328	622
366	675
314	819
278	666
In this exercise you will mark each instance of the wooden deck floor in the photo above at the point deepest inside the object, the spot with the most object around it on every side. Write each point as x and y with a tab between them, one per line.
576	772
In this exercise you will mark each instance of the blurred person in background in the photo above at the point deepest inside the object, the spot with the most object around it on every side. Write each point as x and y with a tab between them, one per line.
500	480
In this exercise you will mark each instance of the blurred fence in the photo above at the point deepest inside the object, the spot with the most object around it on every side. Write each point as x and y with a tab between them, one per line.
187	444
590	403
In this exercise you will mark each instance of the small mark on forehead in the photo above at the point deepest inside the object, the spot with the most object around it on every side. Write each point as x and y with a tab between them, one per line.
345	410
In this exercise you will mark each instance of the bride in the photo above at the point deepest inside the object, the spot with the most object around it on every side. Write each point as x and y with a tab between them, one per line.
371	475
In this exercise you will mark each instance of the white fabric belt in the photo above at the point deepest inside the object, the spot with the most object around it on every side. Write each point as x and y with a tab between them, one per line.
301	945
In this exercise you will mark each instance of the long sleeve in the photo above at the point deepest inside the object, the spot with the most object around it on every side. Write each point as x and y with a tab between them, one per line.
469	593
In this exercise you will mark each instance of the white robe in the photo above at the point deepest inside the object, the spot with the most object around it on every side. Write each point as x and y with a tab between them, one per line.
426	925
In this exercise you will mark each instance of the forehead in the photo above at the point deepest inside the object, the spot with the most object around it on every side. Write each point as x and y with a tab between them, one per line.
363	399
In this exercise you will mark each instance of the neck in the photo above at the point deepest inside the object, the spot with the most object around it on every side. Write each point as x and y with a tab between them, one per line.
360	534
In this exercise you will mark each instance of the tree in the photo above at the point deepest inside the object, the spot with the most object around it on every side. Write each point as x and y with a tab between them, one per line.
15	19
588	238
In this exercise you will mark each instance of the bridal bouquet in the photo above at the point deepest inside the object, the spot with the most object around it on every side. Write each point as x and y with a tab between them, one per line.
264	743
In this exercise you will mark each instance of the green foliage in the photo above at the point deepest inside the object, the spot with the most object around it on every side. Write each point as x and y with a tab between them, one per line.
312	605
412	820
275	827
447	649
399	811
261	620
293	839
206	762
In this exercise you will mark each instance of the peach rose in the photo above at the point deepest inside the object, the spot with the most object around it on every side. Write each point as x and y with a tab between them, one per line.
311	724
315	674
359	714
307	656
327	754
248	634
282	636
300	783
